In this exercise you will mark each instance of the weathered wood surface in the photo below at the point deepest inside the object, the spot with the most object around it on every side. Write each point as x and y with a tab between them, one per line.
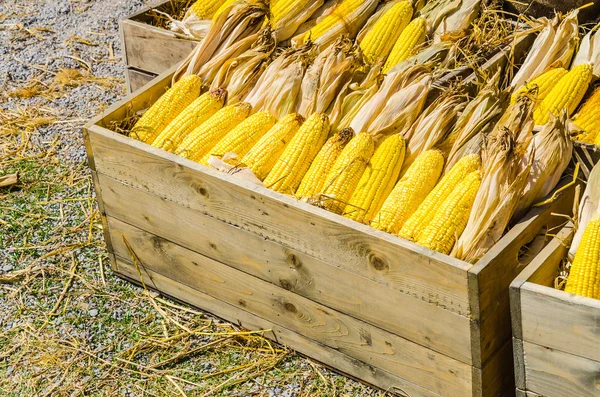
561	321
373	254
524	393
136	79
331	357
490	277
496	378
152	49
518	357
421	322
552	373
367	343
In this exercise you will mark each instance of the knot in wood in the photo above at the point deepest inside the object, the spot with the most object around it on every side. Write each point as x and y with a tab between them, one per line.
203	191
377	262
285	284
290	307
294	261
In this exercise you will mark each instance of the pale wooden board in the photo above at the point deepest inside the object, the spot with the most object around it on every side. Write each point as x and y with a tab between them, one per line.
152	49
553	373
421	322
331	357
519	363
430	370
523	393
560	320
136	79
489	279
422	273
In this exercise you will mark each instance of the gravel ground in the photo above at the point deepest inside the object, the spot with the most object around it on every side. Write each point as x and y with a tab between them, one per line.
68	326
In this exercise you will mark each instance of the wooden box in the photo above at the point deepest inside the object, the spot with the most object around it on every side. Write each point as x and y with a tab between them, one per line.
556	335
149	50
366	303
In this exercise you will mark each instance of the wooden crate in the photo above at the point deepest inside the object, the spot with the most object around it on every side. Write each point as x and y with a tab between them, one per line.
556	335
149	50
366	303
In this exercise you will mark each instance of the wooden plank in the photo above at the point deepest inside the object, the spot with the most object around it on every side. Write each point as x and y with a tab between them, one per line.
152	49
333	358
497	376
421	322
419	365
490	277
524	393
553	373
560	320
519	363
387	259
136	79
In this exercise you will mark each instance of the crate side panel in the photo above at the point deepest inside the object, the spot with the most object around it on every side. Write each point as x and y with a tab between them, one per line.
421	322
561	321
384	258
151	49
553	373
330	357
376	347
136	79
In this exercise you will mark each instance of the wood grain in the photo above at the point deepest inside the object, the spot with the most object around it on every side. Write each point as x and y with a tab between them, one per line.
519	356
315	350
496	377
387	259
152	49
560	320
136	79
421	322
553	373
372	345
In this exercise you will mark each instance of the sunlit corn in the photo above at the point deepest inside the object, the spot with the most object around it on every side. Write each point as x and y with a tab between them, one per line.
410	38
584	276
588	117
544	84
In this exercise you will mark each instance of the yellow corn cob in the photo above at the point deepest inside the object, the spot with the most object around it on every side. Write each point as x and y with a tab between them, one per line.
166	108
566	94
205	9
262	157
345	174
197	144
242	137
338	16
282	8
584	277
411	37
191	117
313	181
588	117
286	175
409	192
544	82
420	219
222	8
377	181
451	217
378	42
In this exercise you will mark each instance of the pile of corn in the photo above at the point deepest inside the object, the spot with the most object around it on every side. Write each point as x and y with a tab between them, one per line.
331	107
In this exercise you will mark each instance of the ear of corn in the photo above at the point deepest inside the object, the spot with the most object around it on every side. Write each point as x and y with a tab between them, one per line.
450	219
345	174
409	192
286	175
191	117
338	20
313	181
378	42
588	117
166	108
584	276
422	217
566	94
242	137
262	157
544	83
205	9
378	180
222	7
197	144
411	37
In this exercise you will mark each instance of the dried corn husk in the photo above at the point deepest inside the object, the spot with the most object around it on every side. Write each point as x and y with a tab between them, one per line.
287	25
431	126
328	74
553	150
555	44
589	51
482	111
435	11
459	20
277	90
191	25
239	75
506	161
232	33
589	207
